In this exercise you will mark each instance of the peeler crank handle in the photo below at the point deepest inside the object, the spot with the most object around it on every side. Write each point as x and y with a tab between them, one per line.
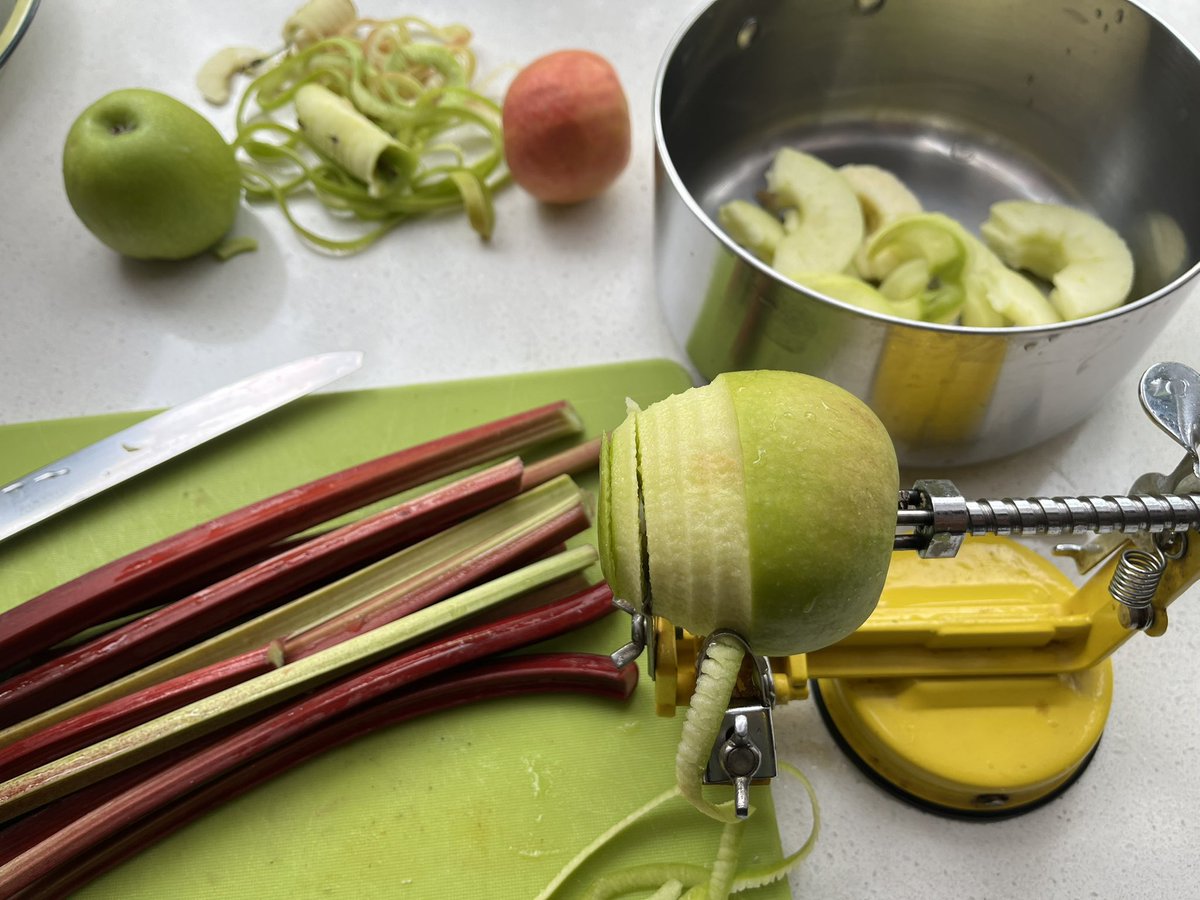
939	516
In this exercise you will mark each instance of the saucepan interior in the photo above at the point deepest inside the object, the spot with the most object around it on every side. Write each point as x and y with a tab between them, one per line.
1096	105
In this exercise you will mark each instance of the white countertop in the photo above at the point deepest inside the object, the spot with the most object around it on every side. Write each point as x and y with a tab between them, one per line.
84	331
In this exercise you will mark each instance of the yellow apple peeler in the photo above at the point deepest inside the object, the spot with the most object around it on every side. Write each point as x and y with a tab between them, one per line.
980	685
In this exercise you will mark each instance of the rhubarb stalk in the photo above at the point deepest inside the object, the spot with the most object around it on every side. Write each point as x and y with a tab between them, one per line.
114	754
512	533
428	583
582	457
582	673
155	574
152	636
290	723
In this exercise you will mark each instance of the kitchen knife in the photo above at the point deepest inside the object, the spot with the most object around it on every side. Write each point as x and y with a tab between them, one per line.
52	488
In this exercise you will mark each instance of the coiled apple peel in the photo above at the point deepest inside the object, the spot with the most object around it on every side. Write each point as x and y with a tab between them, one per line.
387	124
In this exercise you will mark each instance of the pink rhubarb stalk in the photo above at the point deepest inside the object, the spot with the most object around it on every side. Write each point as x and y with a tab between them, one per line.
271	581
157	574
581	673
291	723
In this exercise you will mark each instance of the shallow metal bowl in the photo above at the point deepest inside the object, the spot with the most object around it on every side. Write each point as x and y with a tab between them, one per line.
1092	104
15	19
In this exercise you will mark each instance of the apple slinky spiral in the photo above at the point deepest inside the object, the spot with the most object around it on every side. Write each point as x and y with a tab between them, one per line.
376	119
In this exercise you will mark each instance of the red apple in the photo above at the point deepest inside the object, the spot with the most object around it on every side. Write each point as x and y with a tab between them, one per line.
566	127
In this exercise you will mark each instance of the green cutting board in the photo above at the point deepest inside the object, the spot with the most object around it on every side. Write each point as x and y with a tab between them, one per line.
487	801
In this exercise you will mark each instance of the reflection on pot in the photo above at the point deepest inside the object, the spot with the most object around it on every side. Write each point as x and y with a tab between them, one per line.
749	320
943	403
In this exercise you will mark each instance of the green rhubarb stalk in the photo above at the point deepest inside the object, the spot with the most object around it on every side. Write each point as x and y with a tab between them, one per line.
410	569
115	754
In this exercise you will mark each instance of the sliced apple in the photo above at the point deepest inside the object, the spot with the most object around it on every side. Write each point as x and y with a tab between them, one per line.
769	505
883	197
932	237
215	78
823	222
996	295
906	281
964	277
1088	263
857	292
940	244
752	227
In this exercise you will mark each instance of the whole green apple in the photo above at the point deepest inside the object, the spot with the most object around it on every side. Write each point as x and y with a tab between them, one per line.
763	503
149	176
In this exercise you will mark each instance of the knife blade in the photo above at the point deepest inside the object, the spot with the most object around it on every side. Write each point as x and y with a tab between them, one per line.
51	488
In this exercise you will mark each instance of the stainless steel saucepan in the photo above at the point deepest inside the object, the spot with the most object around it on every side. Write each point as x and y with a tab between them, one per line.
1093	104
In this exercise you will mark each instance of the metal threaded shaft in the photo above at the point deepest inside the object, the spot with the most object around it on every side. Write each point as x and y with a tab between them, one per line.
1058	515
1100	515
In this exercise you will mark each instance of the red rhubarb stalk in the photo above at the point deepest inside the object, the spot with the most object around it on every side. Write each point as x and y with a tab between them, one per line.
98	760
259	554
579	673
419	567
269	582
292	722
430	586
155	574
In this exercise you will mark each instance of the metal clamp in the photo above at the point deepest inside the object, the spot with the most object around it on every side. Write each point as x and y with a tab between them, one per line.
941	538
744	750
1170	396
641	637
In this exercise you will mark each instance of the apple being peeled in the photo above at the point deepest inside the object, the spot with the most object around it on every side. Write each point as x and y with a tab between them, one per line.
763	503
566	127
149	176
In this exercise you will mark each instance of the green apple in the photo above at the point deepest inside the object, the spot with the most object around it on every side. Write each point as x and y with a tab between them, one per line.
763	503
149	176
